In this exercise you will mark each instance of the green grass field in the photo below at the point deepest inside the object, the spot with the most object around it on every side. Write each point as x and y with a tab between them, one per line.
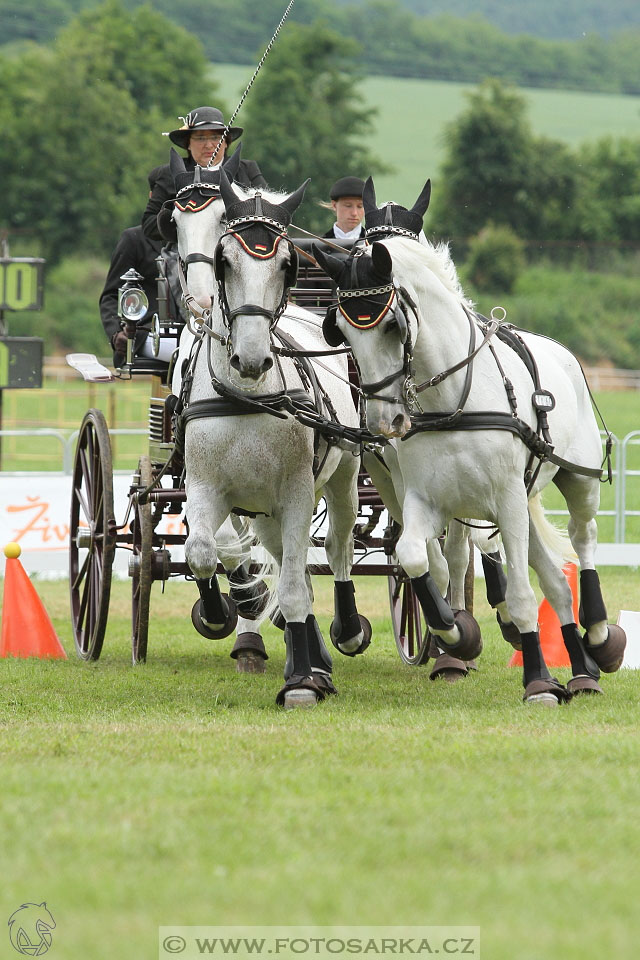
177	793
418	110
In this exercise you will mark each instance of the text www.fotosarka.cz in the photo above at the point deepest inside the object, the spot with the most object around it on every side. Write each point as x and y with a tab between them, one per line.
318	942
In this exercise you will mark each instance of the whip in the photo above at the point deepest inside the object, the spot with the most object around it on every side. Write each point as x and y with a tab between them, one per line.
251	82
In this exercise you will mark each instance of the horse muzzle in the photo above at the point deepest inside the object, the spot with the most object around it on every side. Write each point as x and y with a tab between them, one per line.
391	421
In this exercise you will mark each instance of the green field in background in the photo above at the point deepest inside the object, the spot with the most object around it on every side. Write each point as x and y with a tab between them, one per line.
412	115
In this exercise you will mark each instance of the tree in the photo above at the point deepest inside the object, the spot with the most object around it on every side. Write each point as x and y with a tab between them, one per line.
77	148
304	119
485	175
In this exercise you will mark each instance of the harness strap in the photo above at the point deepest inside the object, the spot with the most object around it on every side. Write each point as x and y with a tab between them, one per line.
490	420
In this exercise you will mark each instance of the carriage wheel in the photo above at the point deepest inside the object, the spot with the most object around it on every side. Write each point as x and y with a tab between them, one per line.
140	568
92	539
409	625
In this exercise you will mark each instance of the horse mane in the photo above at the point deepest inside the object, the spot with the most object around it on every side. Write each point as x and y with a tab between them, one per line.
436	258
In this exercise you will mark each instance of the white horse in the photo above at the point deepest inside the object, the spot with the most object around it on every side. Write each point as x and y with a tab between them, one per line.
244	451
418	346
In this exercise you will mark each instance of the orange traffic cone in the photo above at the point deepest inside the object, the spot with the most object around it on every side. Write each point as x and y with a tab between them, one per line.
553	648
27	630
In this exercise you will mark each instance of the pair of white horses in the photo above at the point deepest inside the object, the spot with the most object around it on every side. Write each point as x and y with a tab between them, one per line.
418	326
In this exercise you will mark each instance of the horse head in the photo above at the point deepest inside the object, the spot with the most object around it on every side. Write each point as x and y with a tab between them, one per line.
255	265
391	218
370	316
193	221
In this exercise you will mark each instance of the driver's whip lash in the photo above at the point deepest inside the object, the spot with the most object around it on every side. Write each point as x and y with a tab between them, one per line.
250	84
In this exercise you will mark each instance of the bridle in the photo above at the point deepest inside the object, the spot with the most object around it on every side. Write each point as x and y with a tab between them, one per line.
242	230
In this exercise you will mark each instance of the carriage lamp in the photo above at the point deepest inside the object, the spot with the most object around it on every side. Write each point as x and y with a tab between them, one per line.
133	305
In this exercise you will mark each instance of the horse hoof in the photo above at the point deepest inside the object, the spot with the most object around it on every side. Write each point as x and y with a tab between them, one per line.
347	646
542	699
610	654
215	631
248	661
584	684
248	642
469	646
510	633
545	691
296	699
448	668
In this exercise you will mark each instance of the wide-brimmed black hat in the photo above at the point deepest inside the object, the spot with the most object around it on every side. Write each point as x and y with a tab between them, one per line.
347	187
202	118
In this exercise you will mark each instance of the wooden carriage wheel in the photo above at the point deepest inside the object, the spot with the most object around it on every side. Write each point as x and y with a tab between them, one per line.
409	626
140	567
92	535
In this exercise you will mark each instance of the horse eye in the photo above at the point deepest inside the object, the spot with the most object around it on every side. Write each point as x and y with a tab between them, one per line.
391	325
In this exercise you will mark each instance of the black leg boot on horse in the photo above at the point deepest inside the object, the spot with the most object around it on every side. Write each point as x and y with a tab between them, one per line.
442	619
300	687
608	653
539	685
350	632
584	669
214	615
319	656
496	585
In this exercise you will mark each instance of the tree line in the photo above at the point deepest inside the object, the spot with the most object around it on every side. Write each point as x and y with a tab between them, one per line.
393	40
82	121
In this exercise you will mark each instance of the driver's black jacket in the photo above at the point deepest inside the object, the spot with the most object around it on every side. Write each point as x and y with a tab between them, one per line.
249	175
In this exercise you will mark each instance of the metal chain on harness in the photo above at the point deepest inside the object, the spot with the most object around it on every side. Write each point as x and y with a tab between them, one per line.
250	84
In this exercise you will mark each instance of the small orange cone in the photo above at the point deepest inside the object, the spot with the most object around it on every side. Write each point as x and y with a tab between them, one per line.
553	648
27	630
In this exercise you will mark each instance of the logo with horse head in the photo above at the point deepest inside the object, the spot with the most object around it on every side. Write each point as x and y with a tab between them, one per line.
30	929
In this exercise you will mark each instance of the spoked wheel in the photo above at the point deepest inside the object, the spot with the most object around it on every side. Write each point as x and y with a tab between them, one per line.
140	567
409	625
92	536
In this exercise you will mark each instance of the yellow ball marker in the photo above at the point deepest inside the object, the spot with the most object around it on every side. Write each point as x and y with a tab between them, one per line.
12	551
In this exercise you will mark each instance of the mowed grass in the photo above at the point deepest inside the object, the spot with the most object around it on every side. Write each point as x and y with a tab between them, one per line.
408	130
176	792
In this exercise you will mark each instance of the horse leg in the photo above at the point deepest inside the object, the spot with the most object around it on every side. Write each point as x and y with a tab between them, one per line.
350	632
513	521
554	585
249	595
448	567
213	615
288	543
605	642
458	633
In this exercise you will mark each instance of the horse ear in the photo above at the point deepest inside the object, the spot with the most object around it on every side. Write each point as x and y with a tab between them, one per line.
382	259
292	203
231	165
369	197
176	164
331	265
227	192
422	203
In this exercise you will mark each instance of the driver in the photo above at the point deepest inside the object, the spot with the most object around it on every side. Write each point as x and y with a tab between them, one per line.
133	249
200	135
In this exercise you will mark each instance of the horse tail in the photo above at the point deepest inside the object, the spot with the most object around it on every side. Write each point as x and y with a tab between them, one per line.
555	540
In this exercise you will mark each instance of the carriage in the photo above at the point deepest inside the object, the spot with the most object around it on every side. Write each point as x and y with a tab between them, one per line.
157	492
